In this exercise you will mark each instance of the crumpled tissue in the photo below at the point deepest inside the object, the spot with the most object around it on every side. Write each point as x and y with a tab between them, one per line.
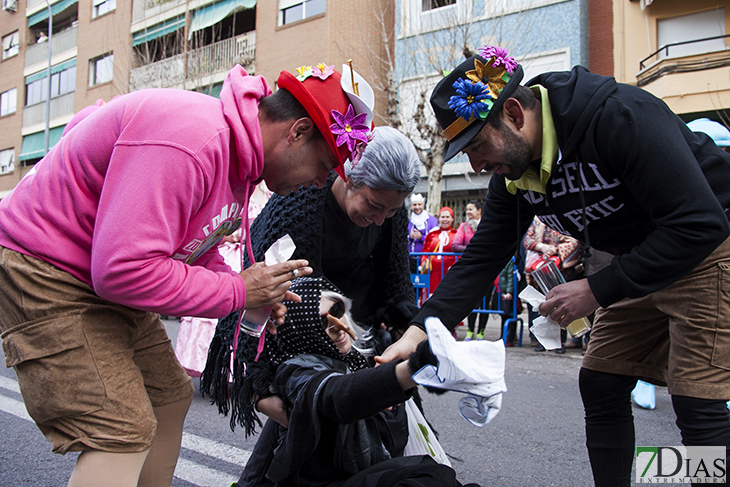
475	368
280	251
545	330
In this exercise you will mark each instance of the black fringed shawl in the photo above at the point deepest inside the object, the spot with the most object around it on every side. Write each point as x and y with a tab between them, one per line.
302	333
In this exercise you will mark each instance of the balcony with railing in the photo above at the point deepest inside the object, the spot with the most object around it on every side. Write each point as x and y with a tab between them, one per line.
60	43
205	61
684	57
60	106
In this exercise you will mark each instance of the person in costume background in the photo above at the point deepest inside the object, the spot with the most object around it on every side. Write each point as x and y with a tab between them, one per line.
611	166
439	239
144	187
476	322
420	223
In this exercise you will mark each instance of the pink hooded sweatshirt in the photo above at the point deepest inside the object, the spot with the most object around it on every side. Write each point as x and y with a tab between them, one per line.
134	199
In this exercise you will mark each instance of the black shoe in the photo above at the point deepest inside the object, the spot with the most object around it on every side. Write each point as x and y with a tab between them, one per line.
560	350
539	348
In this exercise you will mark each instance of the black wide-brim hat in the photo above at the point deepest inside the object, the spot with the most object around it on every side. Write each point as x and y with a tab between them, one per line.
459	130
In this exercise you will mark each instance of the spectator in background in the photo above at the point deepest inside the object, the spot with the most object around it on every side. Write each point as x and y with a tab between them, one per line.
420	224
503	298
439	239
461	240
543	244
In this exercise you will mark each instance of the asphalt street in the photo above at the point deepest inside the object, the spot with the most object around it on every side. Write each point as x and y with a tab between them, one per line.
536	440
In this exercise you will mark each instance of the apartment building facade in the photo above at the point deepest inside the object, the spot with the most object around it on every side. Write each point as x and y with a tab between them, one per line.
88	60
294	33
104	48
677	51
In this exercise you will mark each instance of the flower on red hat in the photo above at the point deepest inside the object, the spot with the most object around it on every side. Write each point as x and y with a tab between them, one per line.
359	149
304	72
322	71
349	128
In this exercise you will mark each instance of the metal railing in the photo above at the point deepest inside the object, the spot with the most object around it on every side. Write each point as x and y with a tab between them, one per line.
665	48
60	106
61	42
207	60
422	283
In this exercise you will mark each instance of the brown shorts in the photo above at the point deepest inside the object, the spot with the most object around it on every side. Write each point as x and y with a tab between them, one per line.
90	370
679	336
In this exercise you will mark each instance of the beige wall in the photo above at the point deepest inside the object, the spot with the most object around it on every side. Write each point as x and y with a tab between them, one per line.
11	76
104	34
347	30
635	38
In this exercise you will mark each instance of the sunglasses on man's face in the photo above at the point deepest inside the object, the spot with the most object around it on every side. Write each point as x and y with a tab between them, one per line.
337	310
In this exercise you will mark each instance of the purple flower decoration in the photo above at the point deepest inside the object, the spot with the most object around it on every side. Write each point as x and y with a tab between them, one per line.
501	57
349	128
469	102
322	71
359	150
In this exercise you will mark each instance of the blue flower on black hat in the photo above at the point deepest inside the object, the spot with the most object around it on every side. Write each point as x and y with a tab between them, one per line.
468	102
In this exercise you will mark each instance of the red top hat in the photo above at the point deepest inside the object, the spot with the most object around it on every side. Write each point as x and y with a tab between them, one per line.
320	97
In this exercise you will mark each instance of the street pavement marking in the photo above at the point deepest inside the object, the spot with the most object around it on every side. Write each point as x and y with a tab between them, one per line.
9	384
16	408
186	470
215	449
202	476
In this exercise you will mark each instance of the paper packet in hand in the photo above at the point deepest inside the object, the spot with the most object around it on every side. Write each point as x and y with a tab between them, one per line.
545	330
253	321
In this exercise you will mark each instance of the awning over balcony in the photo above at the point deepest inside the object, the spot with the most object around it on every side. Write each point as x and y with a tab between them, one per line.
33	144
158	30
56	9
54	69
215	12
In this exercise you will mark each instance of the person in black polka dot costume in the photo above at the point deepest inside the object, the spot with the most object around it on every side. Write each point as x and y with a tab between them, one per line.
303	332
345	422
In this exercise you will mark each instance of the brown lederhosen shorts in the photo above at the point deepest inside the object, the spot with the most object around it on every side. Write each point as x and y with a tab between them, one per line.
90	371
679	336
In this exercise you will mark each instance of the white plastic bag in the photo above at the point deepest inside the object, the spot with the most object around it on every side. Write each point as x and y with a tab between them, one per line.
421	439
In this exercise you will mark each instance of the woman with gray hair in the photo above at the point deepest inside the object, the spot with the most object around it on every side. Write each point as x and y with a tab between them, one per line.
351	232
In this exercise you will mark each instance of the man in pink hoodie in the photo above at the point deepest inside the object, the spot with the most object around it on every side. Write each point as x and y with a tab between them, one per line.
119	223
